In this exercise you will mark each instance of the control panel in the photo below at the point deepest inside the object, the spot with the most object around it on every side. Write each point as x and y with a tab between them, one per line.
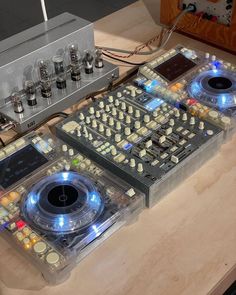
55	203
142	138
46	69
196	81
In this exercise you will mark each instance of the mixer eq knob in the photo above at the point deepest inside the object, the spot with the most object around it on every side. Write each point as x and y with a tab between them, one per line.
107	108
146	118
101	105
137	114
123	106
114	111
118	125
130	110
97	114
117	102
140	168
201	125
101	128
137	124
184	117
127	131
104	117
91	110
108	132
110	98
128	120
111	121
132	163
94	123
121	116
192	121
117	138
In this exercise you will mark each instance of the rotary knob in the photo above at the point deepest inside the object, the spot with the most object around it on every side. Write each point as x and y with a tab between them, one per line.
184	117
172	122
201	125
94	123
113	151
130	110
133	93
111	121
192	121
87	120
118	125
146	118
101	128
127	131
117	102
97	114
123	106
107	108
132	163
117	138
140	168
137	124
114	112
91	110
110	99
108	132
104	117
137	113
101	104
127	120
81	116
121	115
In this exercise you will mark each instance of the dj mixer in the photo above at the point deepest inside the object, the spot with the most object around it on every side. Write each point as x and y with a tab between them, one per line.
56	205
143	139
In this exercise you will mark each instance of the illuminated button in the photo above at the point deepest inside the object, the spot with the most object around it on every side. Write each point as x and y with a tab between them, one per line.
140	168
33	237
174	159
27	243
213	115
132	163
19	236
40	247
162	139
52	258
26	231
5	201
14	196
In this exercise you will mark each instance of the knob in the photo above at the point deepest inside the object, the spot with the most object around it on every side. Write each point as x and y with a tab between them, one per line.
87	120
137	113
213	57
110	99
177	113
118	125
184	117
78	133
107	108
114	112
117	102
155	114
64	148
121	115
130	110
192	121
111	121
97	114
207	55
140	167
137	124
172	122
90	137
104	117
127	131
146	118
101	128
117	138
67	167
119	94
71	152
132	163
94	123
133	93
123	106
108	132
91	110
201	125
113	151
128	120
81	116
101	104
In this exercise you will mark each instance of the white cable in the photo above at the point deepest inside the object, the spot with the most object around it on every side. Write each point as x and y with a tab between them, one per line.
45	16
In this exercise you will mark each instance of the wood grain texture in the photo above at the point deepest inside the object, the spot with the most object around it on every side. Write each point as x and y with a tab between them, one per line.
208	31
183	246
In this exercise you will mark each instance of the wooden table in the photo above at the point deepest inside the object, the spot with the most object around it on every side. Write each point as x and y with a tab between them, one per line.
184	245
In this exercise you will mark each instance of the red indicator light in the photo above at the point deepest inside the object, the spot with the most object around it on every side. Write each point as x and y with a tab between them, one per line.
20	224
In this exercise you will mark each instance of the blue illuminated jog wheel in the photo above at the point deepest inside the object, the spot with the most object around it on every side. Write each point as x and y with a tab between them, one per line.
62	203
215	88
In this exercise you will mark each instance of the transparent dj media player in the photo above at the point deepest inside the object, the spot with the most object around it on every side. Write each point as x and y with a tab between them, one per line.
56	205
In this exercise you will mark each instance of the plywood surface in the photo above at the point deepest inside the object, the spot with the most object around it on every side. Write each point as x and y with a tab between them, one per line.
183	246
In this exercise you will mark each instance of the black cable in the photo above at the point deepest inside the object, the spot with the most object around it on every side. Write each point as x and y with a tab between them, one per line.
124	61
2	142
